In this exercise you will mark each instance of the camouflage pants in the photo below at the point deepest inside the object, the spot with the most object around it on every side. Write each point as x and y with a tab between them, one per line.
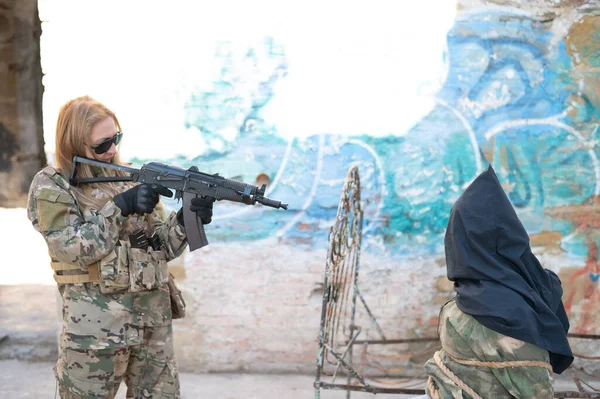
149	370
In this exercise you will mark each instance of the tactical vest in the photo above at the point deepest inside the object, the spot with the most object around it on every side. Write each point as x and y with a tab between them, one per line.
137	263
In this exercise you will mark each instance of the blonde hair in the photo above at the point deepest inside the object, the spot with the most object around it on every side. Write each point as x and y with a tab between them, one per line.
76	119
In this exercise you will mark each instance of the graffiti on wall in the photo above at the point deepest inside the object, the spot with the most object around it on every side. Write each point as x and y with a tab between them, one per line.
511	98
518	95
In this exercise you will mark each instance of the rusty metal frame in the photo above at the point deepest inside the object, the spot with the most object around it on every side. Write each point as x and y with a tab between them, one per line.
339	335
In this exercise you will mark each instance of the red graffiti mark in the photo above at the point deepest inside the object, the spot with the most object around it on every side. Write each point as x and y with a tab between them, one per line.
583	283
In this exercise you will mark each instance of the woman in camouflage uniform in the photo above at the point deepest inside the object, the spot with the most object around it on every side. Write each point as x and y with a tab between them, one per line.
109	244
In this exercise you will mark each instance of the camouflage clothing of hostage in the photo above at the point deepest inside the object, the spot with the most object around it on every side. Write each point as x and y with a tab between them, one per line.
126	316
465	338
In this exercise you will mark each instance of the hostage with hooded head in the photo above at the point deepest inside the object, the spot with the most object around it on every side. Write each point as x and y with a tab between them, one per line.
507	307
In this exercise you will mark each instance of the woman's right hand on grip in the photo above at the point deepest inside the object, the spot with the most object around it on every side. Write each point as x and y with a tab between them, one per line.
140	199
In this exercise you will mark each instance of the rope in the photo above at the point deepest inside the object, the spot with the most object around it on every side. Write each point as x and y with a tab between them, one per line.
386	369
586	357
432	389
406	356
393	382
453	377
501	365
494	365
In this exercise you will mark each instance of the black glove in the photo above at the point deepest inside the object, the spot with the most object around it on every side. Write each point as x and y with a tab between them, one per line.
202	207
140	199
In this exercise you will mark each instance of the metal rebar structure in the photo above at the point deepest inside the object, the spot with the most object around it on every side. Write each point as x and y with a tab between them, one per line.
340	336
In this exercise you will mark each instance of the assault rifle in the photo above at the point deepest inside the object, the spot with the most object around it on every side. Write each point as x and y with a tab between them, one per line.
187	185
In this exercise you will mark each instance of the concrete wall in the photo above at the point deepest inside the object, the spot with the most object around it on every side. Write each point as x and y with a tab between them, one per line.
22	146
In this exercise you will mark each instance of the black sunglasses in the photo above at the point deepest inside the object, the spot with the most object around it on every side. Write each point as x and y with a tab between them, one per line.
105	145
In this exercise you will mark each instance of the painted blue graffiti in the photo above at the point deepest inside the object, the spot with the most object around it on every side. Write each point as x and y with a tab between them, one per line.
506	101
509	92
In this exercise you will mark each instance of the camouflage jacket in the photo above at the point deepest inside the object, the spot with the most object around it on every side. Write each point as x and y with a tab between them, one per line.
93	319
463	337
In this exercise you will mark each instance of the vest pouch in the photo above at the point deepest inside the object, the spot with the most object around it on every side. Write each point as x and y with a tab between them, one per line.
114	270
177	302
160	264
142	273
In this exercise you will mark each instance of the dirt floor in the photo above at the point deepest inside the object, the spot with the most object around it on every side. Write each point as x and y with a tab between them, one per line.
20	379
